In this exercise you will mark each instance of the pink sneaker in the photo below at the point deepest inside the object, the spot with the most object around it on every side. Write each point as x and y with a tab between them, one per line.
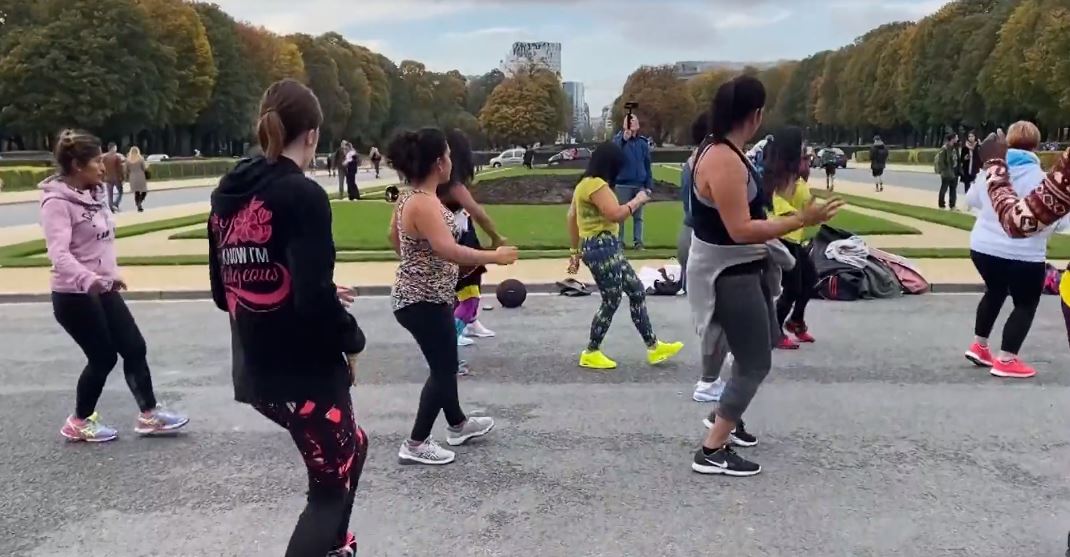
980	355
785	343
1014	369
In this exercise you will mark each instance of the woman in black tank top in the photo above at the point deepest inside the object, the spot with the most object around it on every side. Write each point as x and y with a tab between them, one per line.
731	230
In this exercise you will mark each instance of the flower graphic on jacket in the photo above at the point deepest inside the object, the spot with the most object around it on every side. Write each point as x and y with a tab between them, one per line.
252	225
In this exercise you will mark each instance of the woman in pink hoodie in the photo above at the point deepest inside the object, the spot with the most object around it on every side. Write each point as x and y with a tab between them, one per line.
86	299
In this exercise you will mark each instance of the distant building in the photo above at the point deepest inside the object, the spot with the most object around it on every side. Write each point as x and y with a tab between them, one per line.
581	113
543	54
690	69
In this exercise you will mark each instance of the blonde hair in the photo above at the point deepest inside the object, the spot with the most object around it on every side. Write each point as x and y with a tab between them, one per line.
1023	135
134	155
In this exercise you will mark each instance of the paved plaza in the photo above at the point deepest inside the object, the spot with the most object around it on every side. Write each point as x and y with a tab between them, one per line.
878	441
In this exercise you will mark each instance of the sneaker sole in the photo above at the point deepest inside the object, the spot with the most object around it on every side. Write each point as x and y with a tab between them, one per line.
458	441
160	430
662	359
699	397
977	360
480	335
731	436
1006	375
80	439
413	460
597	368
718	471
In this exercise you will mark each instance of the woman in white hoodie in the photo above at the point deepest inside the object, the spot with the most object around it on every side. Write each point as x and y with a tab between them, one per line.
1009	266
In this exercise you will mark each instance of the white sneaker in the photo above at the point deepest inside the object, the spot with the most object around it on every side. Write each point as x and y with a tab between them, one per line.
708	392
473	427
476	329
465	341
429	452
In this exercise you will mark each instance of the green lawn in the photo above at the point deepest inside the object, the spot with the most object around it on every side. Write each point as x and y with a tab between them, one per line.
363	226
1058	246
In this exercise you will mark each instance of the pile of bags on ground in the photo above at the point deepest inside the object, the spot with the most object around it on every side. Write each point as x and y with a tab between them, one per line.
848	269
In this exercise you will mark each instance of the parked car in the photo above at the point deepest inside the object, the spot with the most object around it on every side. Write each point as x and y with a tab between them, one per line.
512	157
841	158
157	158
573	154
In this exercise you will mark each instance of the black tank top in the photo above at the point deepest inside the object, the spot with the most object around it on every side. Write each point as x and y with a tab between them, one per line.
707	222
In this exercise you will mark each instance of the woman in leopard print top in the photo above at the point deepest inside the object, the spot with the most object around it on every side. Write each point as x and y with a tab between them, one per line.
422	233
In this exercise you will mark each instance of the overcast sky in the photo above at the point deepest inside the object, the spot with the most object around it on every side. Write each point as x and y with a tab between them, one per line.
603	40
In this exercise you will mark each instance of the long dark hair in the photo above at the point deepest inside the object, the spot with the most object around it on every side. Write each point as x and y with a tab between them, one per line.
287	110
783	154
734	102
413	154
464	168
606	163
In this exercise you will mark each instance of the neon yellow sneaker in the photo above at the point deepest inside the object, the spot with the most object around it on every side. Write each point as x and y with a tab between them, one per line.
596	360
663	351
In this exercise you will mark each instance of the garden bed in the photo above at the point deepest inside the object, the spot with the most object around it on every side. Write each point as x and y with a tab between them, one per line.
546	189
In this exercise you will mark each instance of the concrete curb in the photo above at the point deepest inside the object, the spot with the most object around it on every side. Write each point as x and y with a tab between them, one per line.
542	288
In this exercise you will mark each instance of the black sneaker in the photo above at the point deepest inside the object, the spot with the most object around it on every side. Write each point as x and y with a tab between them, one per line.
739	437
724	461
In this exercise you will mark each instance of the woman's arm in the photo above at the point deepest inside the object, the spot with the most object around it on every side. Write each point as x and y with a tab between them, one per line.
427	220
573	228
392	234
56	222
610	207
1041	208
478	214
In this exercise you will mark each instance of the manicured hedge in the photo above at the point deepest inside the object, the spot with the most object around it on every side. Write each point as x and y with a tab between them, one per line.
928	156
22	178
190	169
6	163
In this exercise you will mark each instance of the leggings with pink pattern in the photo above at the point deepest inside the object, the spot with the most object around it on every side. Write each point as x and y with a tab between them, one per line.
334	448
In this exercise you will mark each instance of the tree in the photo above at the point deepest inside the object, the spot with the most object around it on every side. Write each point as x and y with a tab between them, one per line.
353	81
479	89
793	107
232	107
324	81
188	82
665	104
524	109
704	87
378	93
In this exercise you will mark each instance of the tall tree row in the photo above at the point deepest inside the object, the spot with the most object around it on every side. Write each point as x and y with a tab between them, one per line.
174	75
974	64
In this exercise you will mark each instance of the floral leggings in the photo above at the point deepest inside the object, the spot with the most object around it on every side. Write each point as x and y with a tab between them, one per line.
615	277
333	447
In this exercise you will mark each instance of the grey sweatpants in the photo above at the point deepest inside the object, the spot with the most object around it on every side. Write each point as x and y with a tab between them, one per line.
746	318
683	248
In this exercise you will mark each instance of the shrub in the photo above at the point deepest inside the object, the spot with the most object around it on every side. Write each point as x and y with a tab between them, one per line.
928	157
190	169
23	178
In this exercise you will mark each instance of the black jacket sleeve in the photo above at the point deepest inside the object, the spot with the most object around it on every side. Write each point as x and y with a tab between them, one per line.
310	253
219	294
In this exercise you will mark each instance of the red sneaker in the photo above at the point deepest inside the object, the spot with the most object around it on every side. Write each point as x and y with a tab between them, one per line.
786	343
801	332
1014	369
980	355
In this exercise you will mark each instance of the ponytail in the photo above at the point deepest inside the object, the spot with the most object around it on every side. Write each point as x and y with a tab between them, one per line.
272	134
734	102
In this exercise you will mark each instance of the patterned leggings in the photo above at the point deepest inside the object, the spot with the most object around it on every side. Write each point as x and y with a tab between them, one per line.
334	448
614	276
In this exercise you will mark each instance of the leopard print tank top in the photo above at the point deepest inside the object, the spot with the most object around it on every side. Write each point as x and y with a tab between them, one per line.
422	276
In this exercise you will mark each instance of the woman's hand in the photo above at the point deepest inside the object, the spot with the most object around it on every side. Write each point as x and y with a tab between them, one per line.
994	147
574	264
641	198
346	296
817	213
118	285
351	360
505	255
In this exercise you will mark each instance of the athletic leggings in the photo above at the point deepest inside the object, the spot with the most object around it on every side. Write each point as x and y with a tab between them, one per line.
797	286
742	311
334	448
433	327
1023	281
614	276
139	198
104	329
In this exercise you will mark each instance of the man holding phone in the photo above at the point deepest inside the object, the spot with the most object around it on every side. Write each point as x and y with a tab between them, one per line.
635	175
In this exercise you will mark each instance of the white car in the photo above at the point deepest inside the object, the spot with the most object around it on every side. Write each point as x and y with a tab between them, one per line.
156	158
512	157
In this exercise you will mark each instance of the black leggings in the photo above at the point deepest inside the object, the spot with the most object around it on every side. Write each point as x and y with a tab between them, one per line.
433	327
351	182
104	329
1023	281
139	198
797	284
334	448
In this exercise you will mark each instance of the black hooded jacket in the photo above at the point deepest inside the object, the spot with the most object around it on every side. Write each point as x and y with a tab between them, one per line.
271	261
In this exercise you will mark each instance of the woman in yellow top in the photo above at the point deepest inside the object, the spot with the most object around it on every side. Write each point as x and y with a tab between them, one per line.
594	219
789	196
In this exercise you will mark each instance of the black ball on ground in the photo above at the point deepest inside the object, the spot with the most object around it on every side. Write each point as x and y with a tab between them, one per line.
512	293
392	193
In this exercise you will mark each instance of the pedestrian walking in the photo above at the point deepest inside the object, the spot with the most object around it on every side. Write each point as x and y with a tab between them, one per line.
947	167
352	164
295	345
113	177
339	158
137	173
377	159
878	161
87	298
969	162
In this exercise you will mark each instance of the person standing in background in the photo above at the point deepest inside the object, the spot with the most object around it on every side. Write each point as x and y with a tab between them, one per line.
947	166
113	177
529	157
352	163
878	160
137	173
969	162
635	175
339	166
377	160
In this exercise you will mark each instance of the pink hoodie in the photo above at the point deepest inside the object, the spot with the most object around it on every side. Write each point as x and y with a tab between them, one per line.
80	235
